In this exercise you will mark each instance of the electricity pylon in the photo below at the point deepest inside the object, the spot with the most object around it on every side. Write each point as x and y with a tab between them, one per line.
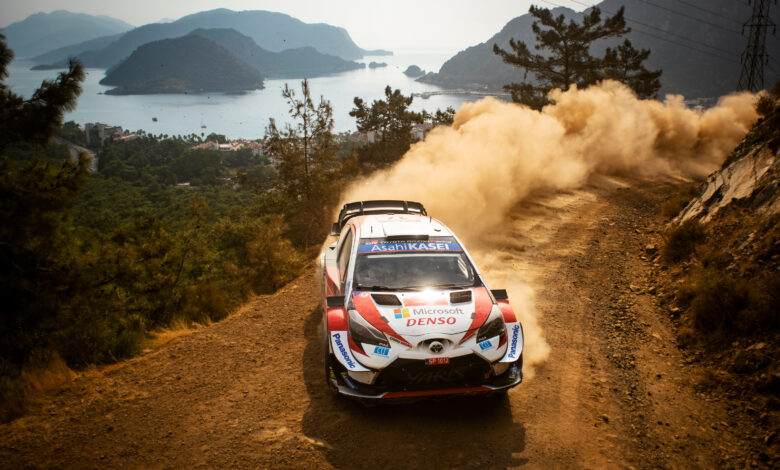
755	57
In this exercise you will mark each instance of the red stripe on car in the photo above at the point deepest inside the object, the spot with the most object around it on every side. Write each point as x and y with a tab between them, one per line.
507	312
365	307
482	305
337	319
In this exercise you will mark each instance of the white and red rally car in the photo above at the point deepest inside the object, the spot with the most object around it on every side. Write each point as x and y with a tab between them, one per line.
407	314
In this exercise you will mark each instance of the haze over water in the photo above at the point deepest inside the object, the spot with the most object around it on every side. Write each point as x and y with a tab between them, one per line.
244	115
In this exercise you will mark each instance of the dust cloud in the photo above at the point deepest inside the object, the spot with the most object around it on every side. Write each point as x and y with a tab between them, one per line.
496	154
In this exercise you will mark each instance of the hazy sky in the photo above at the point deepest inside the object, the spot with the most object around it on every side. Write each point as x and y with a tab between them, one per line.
393	24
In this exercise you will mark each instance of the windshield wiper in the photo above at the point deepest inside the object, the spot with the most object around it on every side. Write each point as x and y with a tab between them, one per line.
440	286
362	287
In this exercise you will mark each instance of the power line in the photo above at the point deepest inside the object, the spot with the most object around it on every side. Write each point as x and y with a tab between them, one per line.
729	59
732	59
681	37
714	13
685	38
689	16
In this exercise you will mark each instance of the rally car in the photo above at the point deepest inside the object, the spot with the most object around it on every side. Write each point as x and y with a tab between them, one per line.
407	314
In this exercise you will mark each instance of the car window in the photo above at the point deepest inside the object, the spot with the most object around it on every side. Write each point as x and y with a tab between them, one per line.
344	251
383	264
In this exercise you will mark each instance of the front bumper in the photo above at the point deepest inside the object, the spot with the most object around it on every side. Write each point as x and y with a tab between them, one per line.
412	379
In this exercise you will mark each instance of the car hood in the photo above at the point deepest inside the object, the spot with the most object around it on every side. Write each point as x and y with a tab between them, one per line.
423	313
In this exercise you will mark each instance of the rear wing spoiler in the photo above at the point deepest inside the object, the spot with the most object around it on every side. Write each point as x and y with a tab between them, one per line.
354	209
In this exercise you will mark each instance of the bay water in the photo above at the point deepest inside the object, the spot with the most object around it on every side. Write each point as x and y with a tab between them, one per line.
245	115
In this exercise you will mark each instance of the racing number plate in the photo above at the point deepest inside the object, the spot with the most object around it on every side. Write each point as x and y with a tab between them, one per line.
435	361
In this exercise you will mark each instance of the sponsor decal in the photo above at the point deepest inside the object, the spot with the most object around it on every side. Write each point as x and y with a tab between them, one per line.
401	313
431	321
437	361
344	354
408	246
514	340
513	372
348	381
339	344
379	350
485	345
437	311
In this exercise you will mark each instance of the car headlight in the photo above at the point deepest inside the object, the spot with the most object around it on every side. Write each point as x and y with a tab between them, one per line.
362	332
493	326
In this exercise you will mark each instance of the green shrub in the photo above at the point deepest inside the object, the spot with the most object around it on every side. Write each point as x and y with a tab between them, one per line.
681	242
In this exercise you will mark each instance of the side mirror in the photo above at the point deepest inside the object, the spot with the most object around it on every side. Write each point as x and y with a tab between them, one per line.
335	301
334	230
499	294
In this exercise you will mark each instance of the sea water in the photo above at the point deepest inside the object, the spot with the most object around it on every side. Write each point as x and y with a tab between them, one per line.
244	115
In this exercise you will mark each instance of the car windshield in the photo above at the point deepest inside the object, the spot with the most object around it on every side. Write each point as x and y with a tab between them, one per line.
399	266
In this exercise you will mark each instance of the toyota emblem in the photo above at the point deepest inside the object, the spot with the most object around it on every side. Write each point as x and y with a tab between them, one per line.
436	347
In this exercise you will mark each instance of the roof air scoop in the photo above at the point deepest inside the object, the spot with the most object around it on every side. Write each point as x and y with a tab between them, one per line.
386	299
460	297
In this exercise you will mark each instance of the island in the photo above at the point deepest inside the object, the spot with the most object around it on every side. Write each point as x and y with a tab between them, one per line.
414	71
190	64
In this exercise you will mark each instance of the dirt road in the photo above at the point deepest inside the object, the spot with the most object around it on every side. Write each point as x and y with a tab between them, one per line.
248	392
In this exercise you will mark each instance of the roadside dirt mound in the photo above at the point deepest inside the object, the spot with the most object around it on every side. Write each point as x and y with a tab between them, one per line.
248	392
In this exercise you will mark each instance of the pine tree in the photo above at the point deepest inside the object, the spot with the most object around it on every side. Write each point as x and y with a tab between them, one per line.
306	160
305	151
391	122
565	57
38	254
35	121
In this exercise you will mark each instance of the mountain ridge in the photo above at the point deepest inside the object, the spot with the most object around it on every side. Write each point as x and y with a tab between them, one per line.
270	30
40	32
299	62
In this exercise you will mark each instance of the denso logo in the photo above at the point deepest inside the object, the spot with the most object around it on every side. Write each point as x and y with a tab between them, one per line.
515	337
437	311
431	321
343	350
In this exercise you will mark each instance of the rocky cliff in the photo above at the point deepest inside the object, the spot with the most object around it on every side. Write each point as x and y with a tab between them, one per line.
750	177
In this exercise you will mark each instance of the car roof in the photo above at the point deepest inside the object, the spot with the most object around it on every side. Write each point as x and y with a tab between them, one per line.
398	225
